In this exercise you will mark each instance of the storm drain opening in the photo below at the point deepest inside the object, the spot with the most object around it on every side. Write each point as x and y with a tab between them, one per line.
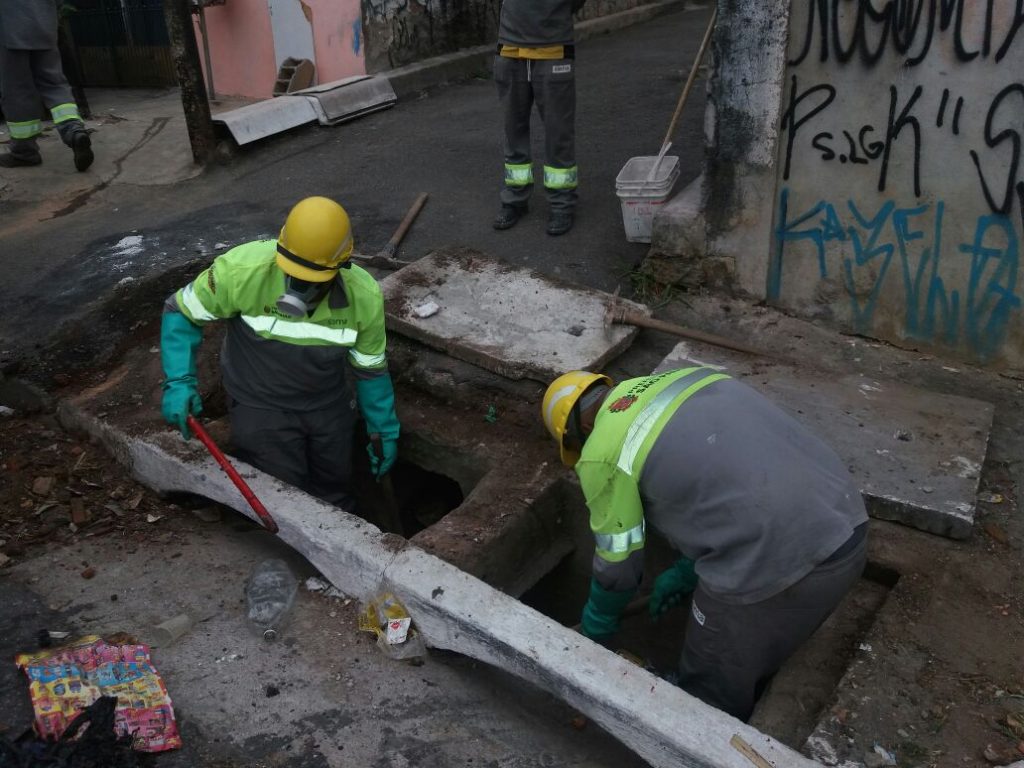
415	496
799	694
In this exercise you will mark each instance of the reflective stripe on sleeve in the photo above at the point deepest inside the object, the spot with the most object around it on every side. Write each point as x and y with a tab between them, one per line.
194	306
344	337
560	178
642	425
64	112
518	175
610	546
366	361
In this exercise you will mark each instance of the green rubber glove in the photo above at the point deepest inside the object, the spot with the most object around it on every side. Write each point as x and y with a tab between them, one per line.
603	612
179	340
377	404
672	586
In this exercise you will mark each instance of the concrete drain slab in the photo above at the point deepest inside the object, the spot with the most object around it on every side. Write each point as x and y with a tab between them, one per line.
916	455
508	320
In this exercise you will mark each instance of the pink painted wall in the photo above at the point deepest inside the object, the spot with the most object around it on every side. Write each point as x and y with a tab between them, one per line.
242	44
241	48
337	39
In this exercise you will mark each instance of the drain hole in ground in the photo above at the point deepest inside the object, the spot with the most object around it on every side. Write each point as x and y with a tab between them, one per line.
422	497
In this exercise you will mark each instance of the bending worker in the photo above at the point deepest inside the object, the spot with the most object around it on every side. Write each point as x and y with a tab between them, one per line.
300	318
769	523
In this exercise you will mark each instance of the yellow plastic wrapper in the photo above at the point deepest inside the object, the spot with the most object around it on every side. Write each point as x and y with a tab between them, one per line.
386	617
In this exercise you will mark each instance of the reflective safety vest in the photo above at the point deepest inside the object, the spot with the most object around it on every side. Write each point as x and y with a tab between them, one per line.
612	461
246	282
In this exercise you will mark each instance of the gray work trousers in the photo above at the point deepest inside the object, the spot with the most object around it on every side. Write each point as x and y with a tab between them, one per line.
732	651
551	84
311	450
26	78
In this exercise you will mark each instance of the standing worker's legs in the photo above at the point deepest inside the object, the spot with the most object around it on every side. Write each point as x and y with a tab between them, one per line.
25	78
330	453
21	108
515	94
56	93
555	87
731	651
273	441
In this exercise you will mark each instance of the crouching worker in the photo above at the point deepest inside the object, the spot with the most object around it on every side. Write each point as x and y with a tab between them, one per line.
302	323
770	525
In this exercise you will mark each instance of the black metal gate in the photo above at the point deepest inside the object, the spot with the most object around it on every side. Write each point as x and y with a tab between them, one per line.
121	43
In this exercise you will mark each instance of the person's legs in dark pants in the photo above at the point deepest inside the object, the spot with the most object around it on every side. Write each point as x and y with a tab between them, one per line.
731	651
53	87
330	453
555	87
272	441
21	108
515	94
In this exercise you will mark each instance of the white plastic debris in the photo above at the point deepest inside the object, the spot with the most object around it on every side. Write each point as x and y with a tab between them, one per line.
426	310
5	411
314	584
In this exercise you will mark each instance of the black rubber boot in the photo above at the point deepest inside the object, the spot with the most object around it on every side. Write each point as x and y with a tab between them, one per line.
508	216
22	153
81	144
559	222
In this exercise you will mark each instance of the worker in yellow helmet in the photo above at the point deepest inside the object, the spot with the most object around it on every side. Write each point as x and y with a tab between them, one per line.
305	327
771	528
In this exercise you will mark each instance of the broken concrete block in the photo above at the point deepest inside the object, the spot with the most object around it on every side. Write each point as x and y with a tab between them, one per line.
505	319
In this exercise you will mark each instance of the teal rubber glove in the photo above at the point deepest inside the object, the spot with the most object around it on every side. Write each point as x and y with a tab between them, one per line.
179	341
603	612
672	586
377	404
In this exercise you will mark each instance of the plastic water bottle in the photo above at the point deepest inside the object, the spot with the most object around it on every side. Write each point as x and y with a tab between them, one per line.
270	595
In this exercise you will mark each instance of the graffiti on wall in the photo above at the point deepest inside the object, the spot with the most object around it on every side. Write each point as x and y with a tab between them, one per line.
935	210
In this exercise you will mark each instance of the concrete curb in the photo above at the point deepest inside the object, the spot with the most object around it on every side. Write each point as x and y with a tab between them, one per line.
466	63
458	612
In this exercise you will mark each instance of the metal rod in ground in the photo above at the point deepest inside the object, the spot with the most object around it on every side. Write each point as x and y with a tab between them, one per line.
185	53
392	514
240	484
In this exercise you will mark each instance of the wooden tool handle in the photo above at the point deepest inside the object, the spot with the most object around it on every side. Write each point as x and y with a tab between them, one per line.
410	217
690	80
629	318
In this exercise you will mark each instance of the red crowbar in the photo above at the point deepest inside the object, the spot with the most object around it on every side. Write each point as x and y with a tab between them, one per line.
243	487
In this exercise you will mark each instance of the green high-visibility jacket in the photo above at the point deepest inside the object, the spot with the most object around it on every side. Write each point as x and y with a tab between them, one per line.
243	285
629	421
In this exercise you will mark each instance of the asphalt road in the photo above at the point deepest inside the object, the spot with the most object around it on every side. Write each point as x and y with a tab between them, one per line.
446	142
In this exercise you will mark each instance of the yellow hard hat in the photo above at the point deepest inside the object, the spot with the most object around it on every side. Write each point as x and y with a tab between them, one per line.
559	400
315	241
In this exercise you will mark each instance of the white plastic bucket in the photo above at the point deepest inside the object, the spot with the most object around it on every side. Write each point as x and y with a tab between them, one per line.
641	199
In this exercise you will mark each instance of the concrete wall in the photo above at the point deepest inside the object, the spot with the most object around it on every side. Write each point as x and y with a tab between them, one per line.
399	32
864	166
250	38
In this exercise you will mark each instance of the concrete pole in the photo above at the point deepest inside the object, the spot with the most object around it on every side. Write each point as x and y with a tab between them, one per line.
185	53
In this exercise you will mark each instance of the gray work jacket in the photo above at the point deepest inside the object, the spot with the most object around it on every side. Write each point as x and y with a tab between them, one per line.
535	23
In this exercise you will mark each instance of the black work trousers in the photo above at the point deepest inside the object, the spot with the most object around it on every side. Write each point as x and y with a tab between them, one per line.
732	651
311	450
551	85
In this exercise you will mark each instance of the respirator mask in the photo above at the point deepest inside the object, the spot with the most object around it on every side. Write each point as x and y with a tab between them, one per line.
300	297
